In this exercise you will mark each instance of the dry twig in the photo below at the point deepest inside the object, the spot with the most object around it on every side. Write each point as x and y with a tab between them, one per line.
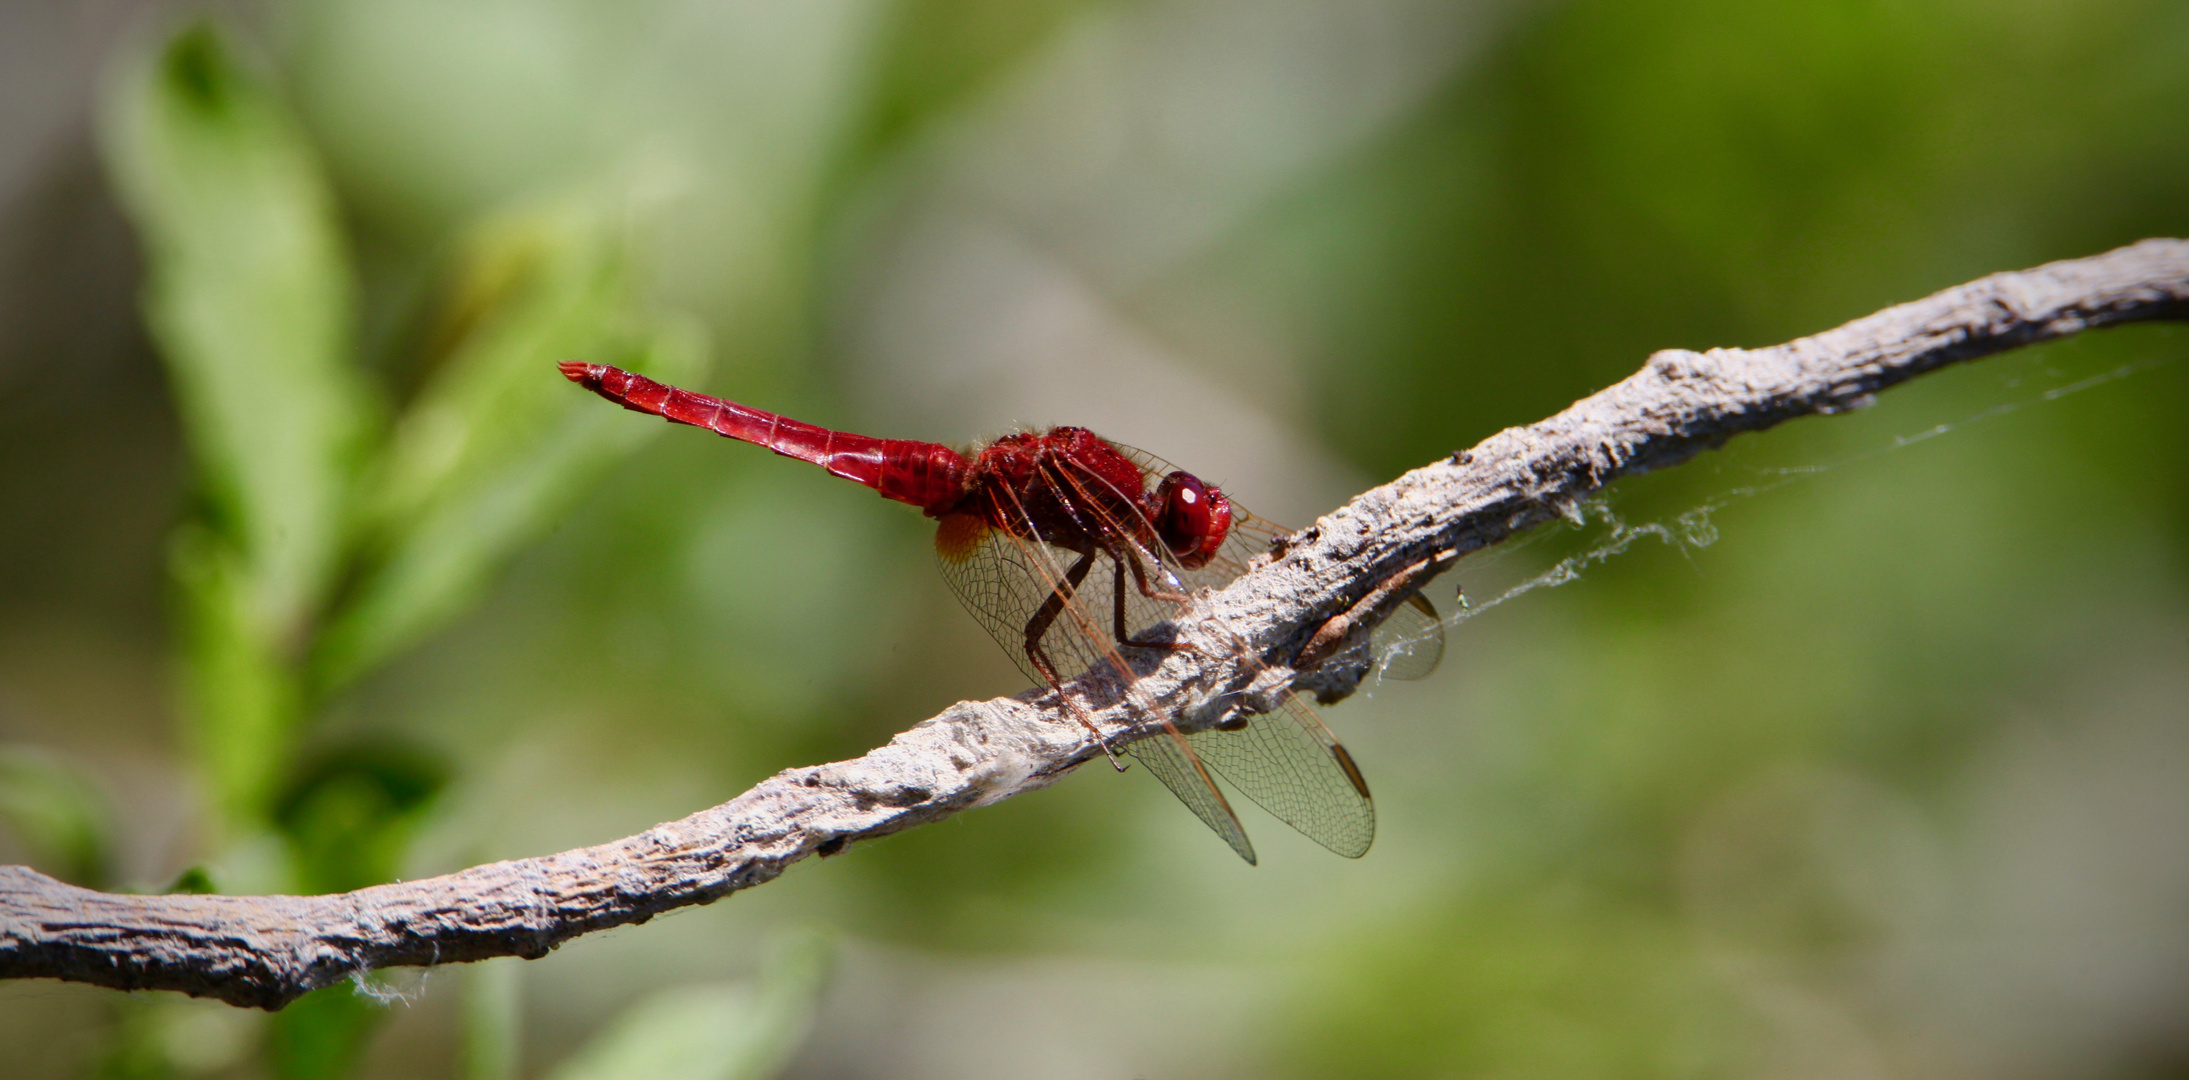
265	951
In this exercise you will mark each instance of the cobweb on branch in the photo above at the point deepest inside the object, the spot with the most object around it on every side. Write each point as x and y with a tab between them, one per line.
391	986
1605	534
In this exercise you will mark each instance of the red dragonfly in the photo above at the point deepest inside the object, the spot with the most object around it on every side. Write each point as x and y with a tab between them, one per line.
1068	548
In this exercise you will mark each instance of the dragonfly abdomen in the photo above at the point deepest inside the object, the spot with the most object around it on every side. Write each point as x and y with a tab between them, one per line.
928	475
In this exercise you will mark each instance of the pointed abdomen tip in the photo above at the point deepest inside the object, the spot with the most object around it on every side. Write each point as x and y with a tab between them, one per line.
576	371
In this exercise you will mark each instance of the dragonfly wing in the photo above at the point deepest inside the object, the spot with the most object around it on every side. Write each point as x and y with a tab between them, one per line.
1287	761
1002	580
1290	764
1411	642
1173	762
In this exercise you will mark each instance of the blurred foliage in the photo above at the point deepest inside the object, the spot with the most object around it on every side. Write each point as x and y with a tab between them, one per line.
488	452
1874	771
57	812
942	54
248	294
349	815
317	548
493	1021
322	1033
712	1032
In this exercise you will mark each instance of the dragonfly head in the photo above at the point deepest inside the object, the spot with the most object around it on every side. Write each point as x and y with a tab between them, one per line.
1192	517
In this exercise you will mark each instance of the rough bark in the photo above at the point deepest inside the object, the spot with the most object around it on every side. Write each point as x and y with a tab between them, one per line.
265	951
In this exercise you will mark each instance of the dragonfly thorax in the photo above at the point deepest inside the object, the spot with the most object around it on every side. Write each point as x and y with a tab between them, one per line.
1071	488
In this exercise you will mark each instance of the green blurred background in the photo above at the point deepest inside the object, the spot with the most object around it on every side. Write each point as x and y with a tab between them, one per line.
317	574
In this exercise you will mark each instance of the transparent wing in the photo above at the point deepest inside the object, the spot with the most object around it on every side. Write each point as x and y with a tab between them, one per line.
1001	581
1172	762
1290	764
1287	762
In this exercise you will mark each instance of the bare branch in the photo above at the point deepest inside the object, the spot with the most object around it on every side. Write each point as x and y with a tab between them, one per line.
265	951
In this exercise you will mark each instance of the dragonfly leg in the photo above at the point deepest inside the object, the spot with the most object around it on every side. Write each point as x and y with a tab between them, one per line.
1140	579
1117	613
1038	628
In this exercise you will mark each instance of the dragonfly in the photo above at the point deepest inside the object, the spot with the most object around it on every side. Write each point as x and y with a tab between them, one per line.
1073	550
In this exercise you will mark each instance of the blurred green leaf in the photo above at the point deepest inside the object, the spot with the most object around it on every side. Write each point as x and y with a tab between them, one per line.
243	701
1518	987
135	1048
164	1037
248	295
721	1031
320	1035
349	816
493	1019
497	442
195	881
57	813
937	55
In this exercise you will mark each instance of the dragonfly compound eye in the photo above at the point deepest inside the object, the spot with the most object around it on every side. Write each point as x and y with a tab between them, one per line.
1192	517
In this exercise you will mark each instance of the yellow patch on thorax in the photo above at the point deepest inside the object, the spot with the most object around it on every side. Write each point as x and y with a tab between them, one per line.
958	536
